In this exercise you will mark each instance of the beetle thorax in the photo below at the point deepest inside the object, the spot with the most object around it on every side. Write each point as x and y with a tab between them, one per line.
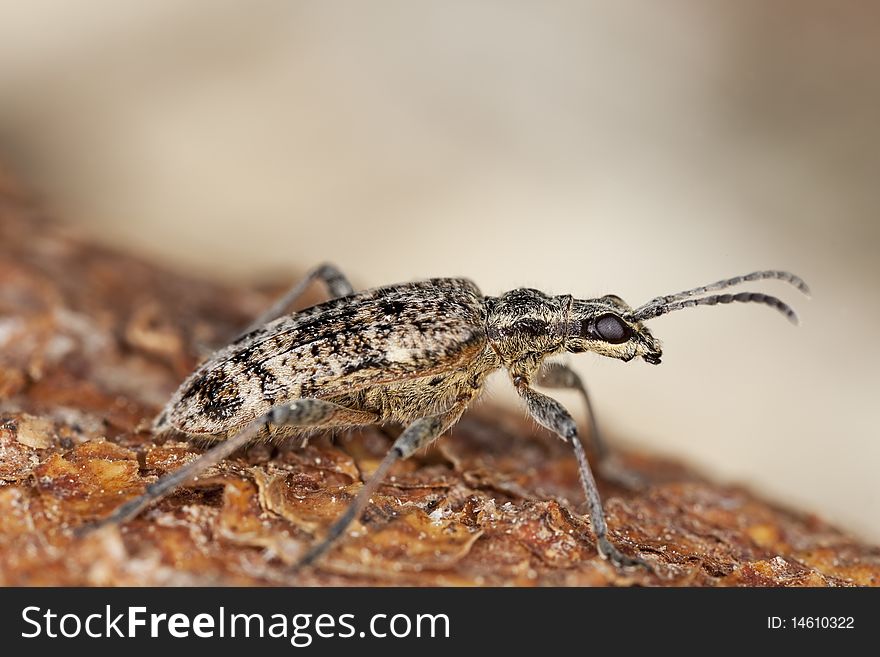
526	322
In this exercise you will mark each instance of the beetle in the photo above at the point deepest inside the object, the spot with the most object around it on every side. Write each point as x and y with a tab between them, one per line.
415	354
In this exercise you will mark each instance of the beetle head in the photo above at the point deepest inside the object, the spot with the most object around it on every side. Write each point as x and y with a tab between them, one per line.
528	322
606	326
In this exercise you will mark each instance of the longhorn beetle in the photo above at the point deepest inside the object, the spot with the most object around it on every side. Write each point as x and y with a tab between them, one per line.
415	354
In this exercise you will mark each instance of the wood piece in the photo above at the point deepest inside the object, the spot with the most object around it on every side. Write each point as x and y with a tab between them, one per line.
92	343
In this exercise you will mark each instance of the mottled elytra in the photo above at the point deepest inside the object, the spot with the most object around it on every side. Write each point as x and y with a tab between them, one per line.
417	355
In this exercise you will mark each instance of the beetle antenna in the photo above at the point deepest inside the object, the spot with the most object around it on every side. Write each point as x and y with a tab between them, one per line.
649	311
725	283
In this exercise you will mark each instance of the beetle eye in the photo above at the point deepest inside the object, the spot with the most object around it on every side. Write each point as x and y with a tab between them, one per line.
612	329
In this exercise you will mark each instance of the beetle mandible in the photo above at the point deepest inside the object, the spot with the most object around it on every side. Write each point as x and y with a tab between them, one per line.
415	354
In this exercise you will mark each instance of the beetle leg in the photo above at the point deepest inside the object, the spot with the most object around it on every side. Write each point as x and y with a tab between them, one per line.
336	282
417	435
306	413
549	413
557	375
316	414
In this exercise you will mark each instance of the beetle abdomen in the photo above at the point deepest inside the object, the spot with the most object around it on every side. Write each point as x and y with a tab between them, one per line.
381	335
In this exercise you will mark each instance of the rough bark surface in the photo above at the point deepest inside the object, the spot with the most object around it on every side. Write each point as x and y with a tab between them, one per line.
92	342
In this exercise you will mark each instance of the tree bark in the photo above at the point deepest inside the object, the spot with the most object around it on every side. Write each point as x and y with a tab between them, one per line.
92	343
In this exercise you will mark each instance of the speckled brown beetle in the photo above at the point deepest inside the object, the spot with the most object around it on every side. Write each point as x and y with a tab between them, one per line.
415	354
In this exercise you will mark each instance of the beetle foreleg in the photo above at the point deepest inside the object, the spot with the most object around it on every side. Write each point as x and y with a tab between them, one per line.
549	413
557	375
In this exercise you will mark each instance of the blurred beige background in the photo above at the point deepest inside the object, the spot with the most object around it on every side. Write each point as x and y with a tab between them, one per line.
637	148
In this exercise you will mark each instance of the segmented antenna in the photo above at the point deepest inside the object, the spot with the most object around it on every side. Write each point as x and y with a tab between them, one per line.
669	303
742	297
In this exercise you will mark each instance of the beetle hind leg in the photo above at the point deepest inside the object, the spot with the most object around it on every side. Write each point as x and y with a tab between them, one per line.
303	413
336	282
337	285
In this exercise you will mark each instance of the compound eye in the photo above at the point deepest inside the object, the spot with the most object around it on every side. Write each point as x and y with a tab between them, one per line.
612	329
